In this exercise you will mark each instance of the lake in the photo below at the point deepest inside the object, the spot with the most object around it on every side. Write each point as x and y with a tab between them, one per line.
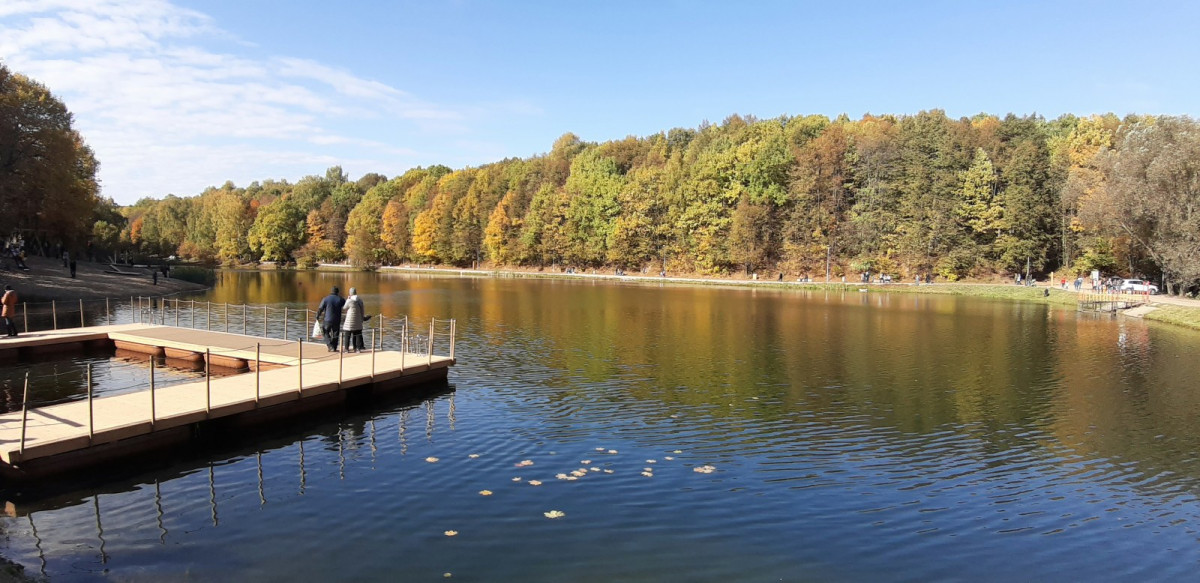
683	434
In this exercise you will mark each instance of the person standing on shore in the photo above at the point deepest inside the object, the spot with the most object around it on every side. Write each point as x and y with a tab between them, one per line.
330	311
8	311
352	322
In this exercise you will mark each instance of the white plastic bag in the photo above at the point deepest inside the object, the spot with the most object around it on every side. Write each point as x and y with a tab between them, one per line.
316	331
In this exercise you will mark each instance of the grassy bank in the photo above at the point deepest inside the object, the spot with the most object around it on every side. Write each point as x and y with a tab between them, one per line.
1177	315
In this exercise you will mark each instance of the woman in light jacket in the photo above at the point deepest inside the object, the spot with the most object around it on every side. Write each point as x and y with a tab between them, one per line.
352	322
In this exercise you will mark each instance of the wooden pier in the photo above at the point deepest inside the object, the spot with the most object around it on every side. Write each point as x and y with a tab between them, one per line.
285	378
1110	302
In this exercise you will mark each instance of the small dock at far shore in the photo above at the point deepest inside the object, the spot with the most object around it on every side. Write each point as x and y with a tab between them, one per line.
265	379
1110	302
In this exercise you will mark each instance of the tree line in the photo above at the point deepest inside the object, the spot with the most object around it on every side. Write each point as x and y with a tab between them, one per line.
804	196
48	189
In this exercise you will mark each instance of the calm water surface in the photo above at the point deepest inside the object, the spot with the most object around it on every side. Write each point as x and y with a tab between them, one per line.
712	434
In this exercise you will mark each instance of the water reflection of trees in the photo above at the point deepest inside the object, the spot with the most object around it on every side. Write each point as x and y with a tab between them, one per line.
354	437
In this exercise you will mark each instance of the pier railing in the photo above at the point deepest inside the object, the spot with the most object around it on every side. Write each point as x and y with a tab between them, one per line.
385	332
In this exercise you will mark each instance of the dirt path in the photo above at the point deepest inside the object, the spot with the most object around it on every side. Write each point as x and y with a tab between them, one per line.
47	279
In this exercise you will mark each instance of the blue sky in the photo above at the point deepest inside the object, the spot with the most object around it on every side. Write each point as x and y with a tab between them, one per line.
177	96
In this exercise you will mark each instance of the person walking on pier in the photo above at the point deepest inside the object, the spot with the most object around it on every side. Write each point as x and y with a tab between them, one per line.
330	313
352	323
8	311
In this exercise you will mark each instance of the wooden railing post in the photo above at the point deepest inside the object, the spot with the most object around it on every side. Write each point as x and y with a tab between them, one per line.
153	413
208	315
192	315
91	412
244	325
257	370
372	355
299	368
285	319
207	382
176	312
81	322
264	334
24	412
431	322
453	332
107	312
25	315
54	313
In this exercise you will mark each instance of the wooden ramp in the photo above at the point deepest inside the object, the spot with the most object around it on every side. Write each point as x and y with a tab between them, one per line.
306	375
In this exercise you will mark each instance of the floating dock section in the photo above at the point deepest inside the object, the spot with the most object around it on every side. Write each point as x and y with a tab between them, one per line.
283	378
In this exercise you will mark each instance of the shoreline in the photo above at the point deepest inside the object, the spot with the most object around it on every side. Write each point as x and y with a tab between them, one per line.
47	280
1171	310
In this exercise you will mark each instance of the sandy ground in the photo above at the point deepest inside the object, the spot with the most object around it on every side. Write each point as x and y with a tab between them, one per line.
47	279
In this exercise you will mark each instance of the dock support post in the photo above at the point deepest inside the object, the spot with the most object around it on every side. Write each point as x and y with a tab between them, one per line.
285	317
91	412
431	322
153	414
299	366
257	370
24	412
453	332
207	382
81	323
54	313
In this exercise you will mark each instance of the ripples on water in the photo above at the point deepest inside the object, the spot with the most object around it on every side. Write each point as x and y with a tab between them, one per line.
853	439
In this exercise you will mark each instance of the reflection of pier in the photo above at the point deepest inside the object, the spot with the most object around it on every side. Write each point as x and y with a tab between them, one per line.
288	378
133	490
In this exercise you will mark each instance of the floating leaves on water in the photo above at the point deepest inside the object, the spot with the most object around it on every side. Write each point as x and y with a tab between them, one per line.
560	476
678	451
571	478
593	469
608	471
652	461
451	533
579	473
447	575
668	458
648	474
517	479
704	469
534	482
555	514
613	451
485	492
600	449
524	463
473	456
585	462
647	469
431	460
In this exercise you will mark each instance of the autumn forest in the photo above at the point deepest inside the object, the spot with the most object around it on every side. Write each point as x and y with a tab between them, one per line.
805	196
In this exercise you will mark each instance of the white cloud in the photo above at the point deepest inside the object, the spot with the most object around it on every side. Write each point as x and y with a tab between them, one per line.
167	113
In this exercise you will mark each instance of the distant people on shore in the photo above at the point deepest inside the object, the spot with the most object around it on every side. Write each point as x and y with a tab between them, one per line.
8	311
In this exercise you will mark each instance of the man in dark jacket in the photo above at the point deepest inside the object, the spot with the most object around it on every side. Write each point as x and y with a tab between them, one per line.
331	309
